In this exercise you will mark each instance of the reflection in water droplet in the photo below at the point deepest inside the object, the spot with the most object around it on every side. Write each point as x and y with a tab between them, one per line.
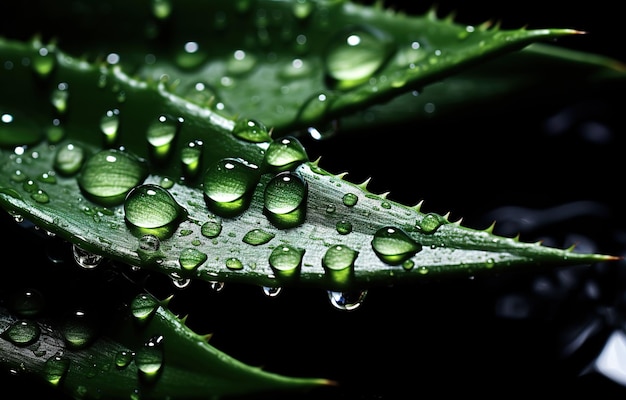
108	175
69	159
56	368
85	259
393	246
347	301
251	130
190	258
216	286
284	154
149	243
228	185
354	55
149	358
22	333
256	237
150	206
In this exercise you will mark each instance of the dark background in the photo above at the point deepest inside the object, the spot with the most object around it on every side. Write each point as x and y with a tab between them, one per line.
503	335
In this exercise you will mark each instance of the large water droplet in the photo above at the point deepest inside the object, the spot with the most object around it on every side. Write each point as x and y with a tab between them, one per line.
149	358
354	55
18	130
251	130
284	154
22	333
150	206
56	368
338	262
79	329
211	229
285	261
190	258
160	136
107	176
69	159
28	303
143	307
430	223
228	185
393	246
285	199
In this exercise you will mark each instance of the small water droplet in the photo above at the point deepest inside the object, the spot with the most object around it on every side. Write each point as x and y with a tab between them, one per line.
344	227
393	246
190	258
45	60
79	329
40	196
123	358
350	199
216	286
161	9
228	185
190	55
56	368
355	54
108	175
28	303
314	109
240	63
143	307
302	9
256	237
150	243
109	125
18	130
346	301
211	229
408	264
430	223
234	264
271	291
160	136
59	97
284	154
85	259
22	333
251	130
149	358
69	159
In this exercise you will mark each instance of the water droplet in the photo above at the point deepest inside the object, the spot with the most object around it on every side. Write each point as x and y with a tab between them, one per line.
55	131
47	177
393	246
18	130
271	291
143	307
160	136
30	186
108	175
28	303
40	196
190	56
430	223
314	109
190	258
211	229
346	301
85	259
191	158
69	159
149	358
256	237
285	261
251	130
228	185
338	262
344	227
150	206
240	63
59	97
22	333
408	264
200	93
350	199
150	243
216	286
44	61
56	368
109	125
302	9
234	264
285	192
161	9
354	55
284	154
79	329
123	358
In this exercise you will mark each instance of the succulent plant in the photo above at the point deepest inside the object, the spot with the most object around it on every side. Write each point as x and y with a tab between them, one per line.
172	149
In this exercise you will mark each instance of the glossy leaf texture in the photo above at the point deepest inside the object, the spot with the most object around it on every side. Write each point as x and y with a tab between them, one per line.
87	144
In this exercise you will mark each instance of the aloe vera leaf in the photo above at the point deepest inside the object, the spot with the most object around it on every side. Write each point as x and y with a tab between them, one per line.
129	345
309	234
285	63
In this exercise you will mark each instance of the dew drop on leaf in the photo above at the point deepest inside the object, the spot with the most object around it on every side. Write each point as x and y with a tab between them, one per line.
284	193
109	126
343	227
350	199
234	264
160	136
107	176
241	62
211	229
430	223
22	332
69	159
44	61
149	357
190	55
284	153
79	329
40	196
190	258
314	109
338	262
191	158
123	358
143	306
256	237
393	246
149	243
251	130
27	303
354	55
56	368
59	97
228	184
285	260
